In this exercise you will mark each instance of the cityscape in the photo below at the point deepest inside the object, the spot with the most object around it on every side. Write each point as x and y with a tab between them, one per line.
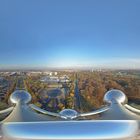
69	69
82	90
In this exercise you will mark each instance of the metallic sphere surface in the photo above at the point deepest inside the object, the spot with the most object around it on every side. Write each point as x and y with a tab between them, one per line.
68	114
20	96
115	95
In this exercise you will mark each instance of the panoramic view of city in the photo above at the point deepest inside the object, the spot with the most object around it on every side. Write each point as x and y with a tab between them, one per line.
69	69
82	90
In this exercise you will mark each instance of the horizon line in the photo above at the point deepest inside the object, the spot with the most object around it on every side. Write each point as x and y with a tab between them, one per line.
68	68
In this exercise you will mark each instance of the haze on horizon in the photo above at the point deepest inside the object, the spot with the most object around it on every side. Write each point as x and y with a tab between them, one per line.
70	33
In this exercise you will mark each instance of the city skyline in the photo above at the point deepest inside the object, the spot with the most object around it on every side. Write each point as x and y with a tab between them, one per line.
70	34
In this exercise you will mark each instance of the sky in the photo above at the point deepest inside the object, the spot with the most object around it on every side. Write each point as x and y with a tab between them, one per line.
70	33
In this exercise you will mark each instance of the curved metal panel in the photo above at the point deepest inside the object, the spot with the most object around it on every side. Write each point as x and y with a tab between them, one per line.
98	111
116	121
8	110
43	111
135	110
115	95
118	112
5	112
84	130
23	113
68	114
20	95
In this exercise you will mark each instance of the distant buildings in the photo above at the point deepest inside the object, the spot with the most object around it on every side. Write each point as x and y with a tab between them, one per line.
34	73
55	79
11	73
14	74
50	79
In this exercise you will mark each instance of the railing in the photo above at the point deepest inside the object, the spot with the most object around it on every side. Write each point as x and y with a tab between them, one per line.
115	120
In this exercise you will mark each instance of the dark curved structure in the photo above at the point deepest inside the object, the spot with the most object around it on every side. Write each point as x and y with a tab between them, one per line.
115	120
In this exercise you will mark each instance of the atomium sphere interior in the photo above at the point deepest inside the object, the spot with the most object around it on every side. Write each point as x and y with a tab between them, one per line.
117	95
20	95
68	114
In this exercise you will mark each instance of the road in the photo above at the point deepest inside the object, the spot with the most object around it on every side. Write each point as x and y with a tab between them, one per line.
20	83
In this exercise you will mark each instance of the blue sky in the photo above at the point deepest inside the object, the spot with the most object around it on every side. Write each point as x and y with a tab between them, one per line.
70	33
